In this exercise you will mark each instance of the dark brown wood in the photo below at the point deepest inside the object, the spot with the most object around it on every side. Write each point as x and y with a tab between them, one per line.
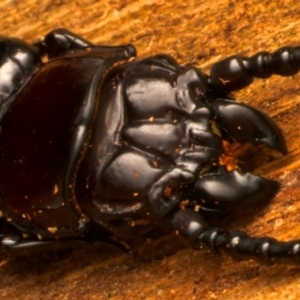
200	32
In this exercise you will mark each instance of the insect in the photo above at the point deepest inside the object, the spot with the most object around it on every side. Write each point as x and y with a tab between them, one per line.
95	144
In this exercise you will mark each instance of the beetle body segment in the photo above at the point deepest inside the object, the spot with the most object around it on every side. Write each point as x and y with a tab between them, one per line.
44	136
148	125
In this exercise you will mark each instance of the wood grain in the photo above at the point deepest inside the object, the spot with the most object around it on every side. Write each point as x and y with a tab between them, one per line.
199	32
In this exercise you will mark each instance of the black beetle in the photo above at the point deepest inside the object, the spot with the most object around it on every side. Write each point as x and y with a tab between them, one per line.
97	145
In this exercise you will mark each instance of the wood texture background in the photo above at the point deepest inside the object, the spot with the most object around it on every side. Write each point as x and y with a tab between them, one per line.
200	32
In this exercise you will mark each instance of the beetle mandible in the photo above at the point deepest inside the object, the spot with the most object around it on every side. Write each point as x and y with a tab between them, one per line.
94	141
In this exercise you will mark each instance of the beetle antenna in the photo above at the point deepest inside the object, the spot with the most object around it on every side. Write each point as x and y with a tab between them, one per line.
240	246
237	72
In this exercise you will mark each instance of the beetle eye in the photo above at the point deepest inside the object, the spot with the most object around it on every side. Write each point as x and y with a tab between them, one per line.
197	92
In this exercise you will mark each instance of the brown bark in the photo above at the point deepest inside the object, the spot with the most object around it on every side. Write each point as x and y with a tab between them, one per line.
200	32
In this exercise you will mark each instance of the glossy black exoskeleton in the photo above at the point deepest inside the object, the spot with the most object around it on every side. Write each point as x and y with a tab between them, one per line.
97	145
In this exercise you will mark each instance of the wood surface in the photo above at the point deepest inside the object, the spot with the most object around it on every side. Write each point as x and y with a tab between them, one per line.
199	32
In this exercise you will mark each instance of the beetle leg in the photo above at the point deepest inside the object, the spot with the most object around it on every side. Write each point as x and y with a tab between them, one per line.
61	41
219	190
9	235
39	246
250	124
237	72
12	239
18	60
